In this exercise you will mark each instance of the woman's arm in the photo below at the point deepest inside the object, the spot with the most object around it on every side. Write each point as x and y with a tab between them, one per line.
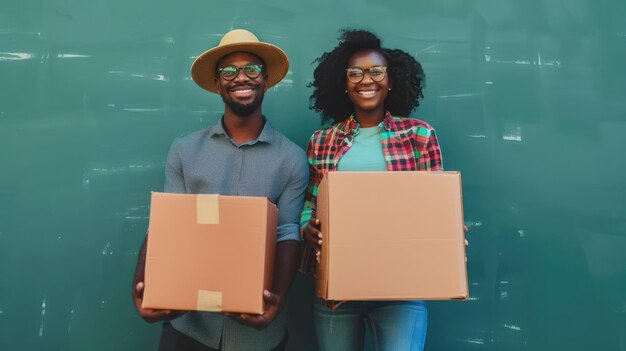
309	225
431	159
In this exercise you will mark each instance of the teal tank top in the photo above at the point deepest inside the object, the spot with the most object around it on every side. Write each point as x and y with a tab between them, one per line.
366	152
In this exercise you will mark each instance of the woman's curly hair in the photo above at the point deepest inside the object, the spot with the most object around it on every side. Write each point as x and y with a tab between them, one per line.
329	84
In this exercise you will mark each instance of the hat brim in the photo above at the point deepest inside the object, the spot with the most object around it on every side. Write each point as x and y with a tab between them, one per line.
203	68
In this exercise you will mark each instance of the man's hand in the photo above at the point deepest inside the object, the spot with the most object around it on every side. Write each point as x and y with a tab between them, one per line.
285	267
313	236
148	314
273	305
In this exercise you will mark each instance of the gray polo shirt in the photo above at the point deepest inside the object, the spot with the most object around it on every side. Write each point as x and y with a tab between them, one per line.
210	162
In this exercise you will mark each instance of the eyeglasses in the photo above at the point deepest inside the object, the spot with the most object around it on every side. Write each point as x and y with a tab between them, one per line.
356	75
251	70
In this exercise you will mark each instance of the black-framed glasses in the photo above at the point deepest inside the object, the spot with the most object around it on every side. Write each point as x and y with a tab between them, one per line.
251	70
356	75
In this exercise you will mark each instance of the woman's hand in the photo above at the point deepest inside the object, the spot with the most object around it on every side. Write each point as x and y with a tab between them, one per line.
313	236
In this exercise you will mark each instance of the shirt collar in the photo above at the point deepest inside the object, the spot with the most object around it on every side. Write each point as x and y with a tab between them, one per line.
268	134
217	129
351	126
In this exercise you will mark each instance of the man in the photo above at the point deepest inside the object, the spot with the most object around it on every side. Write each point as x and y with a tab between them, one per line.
240	155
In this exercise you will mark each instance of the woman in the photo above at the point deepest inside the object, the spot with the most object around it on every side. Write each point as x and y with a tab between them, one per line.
362	88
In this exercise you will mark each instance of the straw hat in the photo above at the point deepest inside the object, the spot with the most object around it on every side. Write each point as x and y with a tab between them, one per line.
239	40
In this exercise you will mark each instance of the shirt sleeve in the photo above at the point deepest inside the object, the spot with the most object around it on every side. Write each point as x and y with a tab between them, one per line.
308	263
310	198
431	159
290	201
174	180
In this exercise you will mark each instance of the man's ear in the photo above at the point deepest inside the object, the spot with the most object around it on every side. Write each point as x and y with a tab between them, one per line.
219	88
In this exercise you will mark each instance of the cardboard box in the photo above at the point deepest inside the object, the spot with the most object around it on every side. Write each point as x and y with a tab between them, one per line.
391	236
209	252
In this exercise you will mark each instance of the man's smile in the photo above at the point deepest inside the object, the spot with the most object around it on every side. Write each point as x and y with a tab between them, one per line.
243	91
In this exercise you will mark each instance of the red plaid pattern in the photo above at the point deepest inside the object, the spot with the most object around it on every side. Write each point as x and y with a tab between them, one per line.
408	145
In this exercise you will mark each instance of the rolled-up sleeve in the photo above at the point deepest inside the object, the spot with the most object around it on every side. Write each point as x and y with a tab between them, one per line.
291	200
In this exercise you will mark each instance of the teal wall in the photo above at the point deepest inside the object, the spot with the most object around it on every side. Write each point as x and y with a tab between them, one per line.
527	96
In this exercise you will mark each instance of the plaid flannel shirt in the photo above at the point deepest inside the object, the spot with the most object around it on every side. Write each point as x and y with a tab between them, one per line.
408	145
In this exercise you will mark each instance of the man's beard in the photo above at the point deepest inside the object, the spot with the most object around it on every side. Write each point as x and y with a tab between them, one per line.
244	110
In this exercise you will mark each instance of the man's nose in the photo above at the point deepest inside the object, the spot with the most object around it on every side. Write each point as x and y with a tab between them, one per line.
241	76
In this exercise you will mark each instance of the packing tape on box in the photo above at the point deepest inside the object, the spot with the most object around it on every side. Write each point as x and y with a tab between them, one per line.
207	209
210	301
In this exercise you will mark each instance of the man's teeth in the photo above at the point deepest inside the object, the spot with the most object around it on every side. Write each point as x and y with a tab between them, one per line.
243	91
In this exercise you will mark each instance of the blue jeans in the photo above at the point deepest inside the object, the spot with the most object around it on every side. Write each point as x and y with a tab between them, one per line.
395	325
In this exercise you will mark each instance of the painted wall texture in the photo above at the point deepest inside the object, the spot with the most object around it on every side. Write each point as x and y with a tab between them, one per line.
527	98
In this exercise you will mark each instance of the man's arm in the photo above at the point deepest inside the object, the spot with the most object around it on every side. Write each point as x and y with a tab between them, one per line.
285	269
287	258
148	314
287	254
174	183
309	223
